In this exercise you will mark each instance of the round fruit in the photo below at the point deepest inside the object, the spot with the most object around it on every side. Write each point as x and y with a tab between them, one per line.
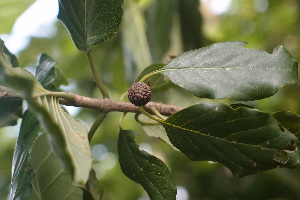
139	94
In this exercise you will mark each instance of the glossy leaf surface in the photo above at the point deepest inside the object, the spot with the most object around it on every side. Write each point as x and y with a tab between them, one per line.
90	22
145	168
245	140
229	70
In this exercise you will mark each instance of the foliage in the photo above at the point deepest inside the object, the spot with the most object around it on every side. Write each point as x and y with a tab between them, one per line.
217	87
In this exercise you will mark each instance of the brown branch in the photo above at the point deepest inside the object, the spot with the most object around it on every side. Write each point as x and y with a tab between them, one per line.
107	105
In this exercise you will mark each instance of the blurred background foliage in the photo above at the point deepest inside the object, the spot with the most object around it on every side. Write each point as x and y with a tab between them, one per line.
151	31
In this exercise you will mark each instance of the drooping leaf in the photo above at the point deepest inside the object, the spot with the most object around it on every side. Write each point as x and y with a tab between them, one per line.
229	70
190	24
38	173
245	140
50	77
289	120
159	18
68	137
22	175
90	22
134	40
144	168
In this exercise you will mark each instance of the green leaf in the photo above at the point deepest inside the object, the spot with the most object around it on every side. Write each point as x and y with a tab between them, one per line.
159	18
50	77
90	22
37	172
245	140
10	107
68	137
289	120
144	168
229	70
134	40
190	24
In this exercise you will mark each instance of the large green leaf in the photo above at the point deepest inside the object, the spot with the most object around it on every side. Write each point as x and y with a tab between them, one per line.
49	76
90	22
37	172
68	136
229	70
245	140
144	168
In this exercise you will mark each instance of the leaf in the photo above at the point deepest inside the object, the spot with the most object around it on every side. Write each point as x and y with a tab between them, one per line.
50	77
10	107
229	70
245	140
37	172
144	168
68	137
159	28
290	121
190	24
90	22
134	40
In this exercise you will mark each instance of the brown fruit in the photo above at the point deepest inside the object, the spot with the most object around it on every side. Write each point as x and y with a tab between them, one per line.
139	94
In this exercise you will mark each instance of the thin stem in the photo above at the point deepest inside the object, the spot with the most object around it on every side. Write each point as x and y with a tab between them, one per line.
96	124
143	111
157	113
143	122
97	78
148	75
121	119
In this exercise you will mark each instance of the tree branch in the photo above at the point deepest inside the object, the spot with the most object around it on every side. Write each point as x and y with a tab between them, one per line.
107	105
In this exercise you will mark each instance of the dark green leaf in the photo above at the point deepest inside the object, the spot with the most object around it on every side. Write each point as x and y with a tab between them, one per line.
159	28
134	40
10	107
10	112
190	24
90	22
144	168
229	70
13	58
245	140
50	77
290	121
38	173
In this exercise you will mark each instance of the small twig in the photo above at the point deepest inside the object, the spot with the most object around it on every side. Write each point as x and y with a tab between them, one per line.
107	105
97	78
157	113
96	124
143	111
143	122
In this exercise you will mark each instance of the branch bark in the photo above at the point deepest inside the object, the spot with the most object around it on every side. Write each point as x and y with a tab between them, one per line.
106	105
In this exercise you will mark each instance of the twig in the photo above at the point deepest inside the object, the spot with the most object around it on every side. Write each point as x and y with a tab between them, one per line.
107	105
